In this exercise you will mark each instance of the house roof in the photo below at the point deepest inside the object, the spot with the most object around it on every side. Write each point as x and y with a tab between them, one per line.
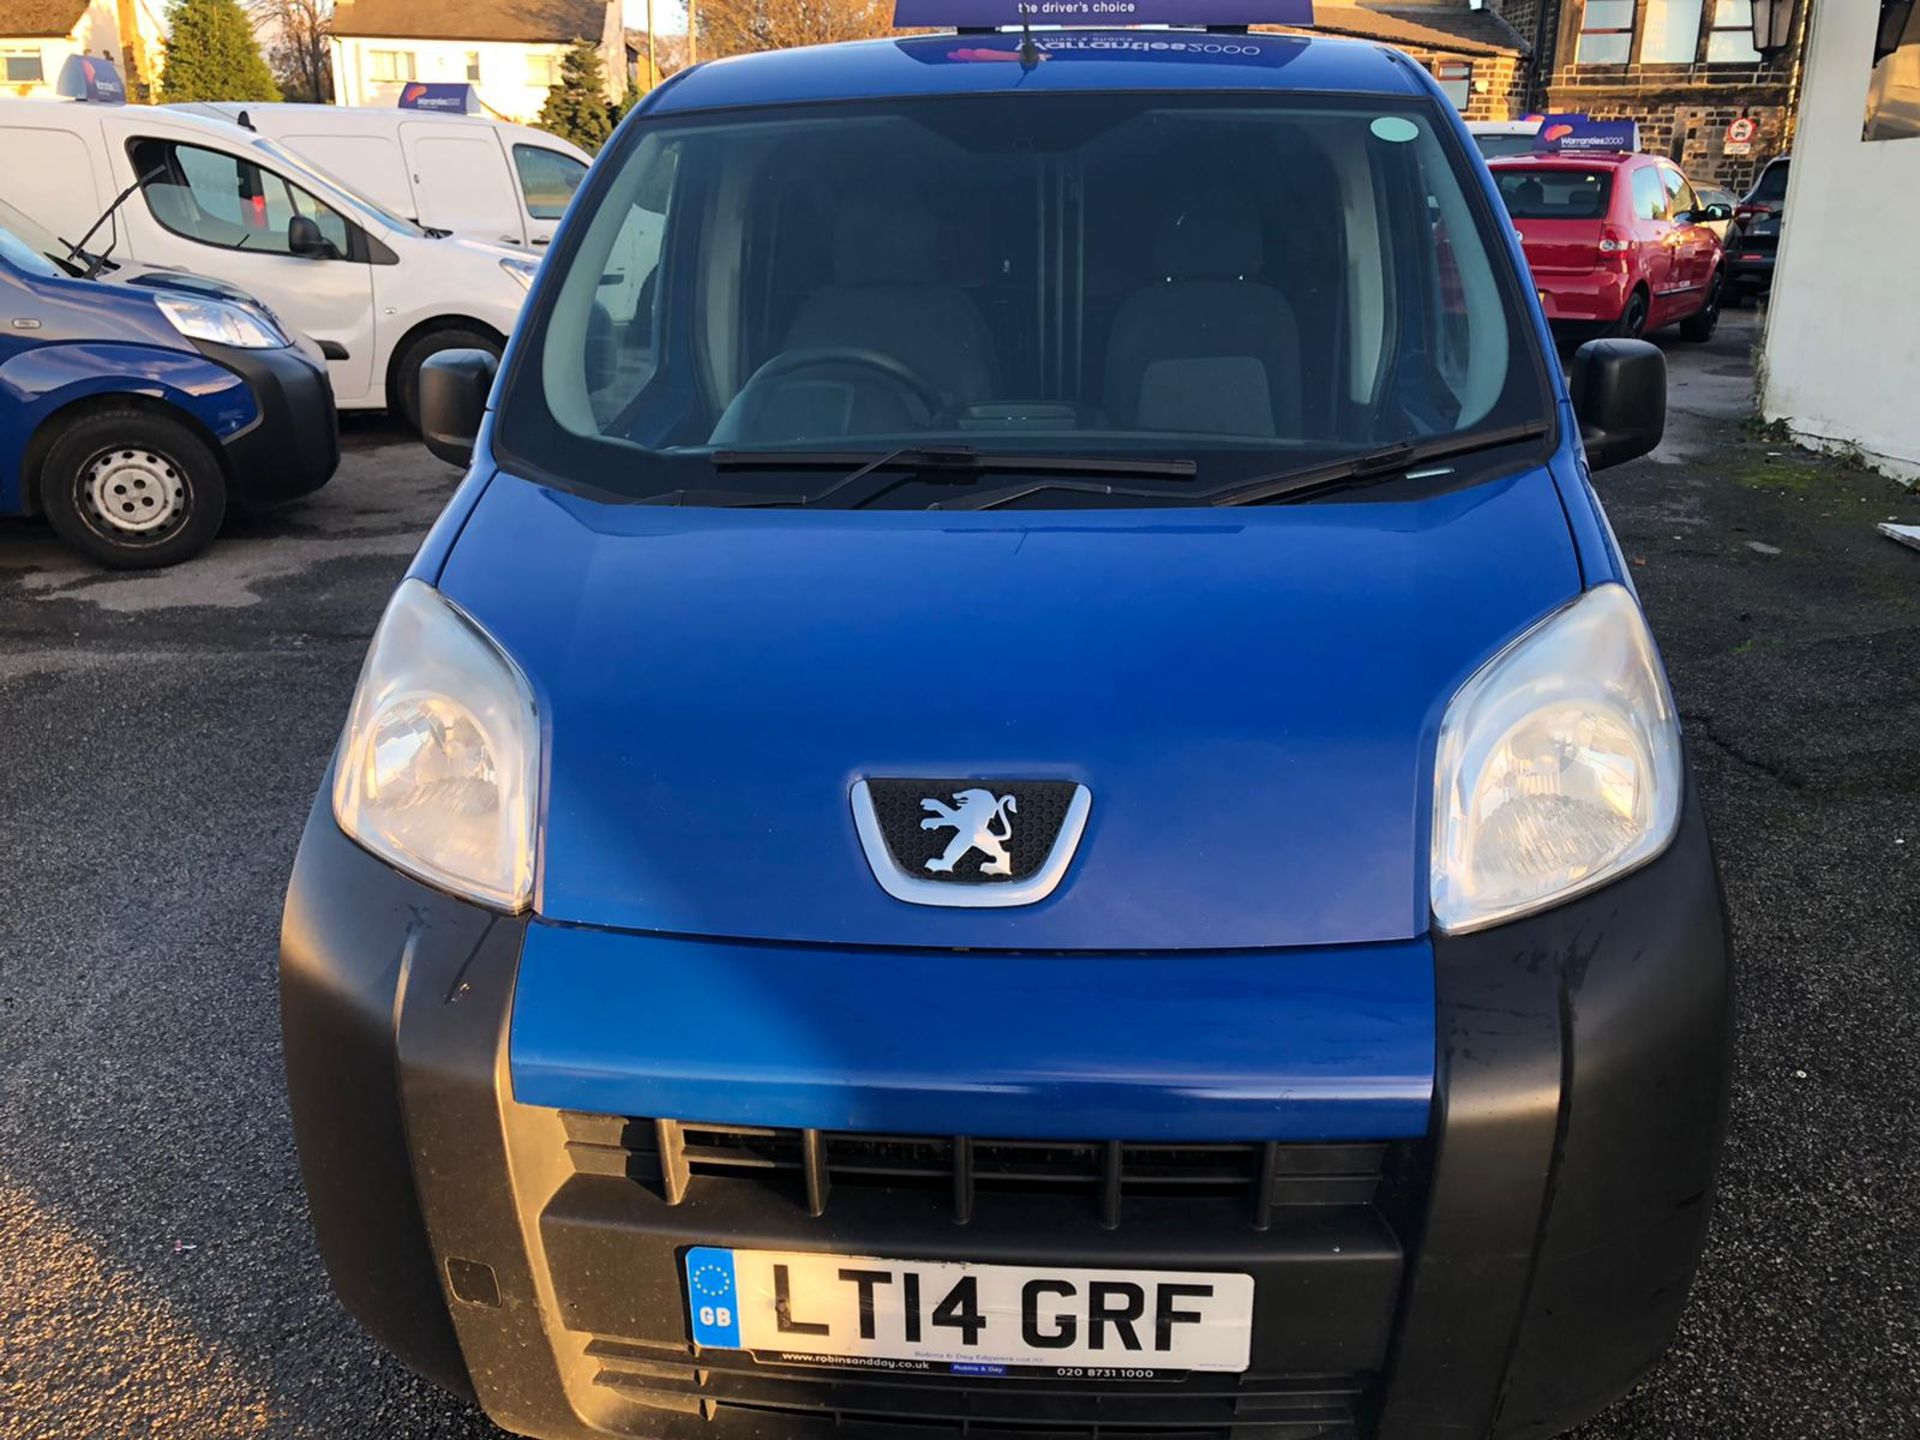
1430	24
528	21
40	19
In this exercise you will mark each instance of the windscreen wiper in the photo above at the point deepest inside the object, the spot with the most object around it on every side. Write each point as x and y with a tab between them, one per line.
77	249
1287	485
962	459
934	464
1382	464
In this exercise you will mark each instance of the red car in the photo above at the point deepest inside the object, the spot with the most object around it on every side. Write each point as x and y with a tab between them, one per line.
1618	243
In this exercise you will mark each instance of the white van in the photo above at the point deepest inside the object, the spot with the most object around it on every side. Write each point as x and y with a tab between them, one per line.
378	292
481	178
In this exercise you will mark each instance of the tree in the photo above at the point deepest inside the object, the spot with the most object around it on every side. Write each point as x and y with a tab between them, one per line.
296	33
669	53
735	27
577	108
211	54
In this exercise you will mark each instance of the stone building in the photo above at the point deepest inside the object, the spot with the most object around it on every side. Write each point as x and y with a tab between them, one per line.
1684	69
1475	54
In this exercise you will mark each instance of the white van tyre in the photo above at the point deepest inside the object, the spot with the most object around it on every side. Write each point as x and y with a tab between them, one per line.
406	369
132	490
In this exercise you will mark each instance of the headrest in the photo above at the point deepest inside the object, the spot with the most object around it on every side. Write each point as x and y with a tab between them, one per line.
890	239
1210	237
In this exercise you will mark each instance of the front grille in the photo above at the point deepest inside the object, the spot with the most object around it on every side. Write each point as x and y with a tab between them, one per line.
1198	1407
808	1165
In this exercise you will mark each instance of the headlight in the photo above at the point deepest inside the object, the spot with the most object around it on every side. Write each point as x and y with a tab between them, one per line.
219	323
1559	766
438	771
521	270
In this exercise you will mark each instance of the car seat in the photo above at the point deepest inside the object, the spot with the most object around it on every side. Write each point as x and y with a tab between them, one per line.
1207	347
893	291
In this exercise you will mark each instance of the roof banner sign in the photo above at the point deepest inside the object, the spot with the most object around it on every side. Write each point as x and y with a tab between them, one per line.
441	99
990	14
1190	47
86	77
1575	134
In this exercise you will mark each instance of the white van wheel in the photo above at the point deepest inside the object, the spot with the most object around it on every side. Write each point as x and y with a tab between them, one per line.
405	386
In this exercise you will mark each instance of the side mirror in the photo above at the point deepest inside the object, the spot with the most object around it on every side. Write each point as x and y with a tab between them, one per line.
1619	390
454	385
305	240
1714	213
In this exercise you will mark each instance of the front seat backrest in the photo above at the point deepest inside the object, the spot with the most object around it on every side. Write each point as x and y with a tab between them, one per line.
893	292
1207	348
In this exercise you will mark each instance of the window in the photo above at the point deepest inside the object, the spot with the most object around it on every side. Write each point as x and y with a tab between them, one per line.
1680	196
1247	282
1497	146
1553	193
1649	195
548	178
1456	80
390	65
1731	42
23	67
543	70
221	199
1670	33
1606	33
1771	187
473	67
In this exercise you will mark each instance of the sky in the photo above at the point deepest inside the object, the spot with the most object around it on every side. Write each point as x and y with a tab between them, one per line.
669	15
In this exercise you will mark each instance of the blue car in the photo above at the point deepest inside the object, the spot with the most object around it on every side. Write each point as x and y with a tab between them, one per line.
134	413
1171	904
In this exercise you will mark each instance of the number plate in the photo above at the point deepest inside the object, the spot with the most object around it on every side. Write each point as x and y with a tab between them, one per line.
948	1318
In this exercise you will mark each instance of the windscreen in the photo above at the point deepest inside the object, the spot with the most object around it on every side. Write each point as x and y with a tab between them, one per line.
1772	186
28	234
1496	146
1237	283
24	257
1555	193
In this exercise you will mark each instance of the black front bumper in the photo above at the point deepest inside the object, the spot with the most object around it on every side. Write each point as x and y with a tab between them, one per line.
1505	1277
293	448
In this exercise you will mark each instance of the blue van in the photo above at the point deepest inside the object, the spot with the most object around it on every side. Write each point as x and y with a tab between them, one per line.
1171	904
133	413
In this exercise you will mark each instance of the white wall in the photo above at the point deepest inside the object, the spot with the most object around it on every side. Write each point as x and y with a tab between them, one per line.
1842	359
98	33
505	83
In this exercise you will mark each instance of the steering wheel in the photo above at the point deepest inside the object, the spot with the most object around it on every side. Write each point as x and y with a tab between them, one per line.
918	398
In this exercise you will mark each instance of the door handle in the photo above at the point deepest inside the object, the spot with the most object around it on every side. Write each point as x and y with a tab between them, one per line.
543	240
510	240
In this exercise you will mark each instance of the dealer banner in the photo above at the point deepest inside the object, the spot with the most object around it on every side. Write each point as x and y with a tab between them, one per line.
989	14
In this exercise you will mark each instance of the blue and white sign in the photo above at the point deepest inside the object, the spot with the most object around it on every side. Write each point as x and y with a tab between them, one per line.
713	1298
1575	134
1192	46
987	14
445	99
88	77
